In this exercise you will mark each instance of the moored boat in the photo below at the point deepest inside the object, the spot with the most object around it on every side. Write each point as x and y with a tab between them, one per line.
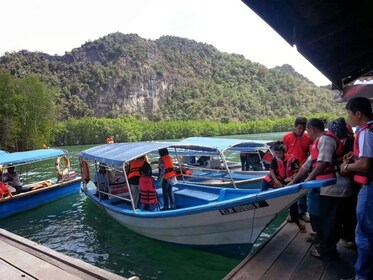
30	192
219	172
205	217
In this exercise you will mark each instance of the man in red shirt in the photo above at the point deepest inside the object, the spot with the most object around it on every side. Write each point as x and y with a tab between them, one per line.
298	145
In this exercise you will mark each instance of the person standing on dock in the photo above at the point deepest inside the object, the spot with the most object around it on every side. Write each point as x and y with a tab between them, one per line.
360	162
298	144
325	151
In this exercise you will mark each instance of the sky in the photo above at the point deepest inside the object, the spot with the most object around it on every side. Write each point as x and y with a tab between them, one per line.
56	27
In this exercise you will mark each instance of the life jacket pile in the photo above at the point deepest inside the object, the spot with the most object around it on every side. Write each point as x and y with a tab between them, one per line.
329	171
361	177
148	193
284	169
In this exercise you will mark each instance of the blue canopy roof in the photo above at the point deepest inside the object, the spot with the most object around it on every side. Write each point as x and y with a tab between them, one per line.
3	152
29	156
222	144
117	154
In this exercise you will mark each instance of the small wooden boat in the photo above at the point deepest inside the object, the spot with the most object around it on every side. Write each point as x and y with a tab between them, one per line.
224	219
44	189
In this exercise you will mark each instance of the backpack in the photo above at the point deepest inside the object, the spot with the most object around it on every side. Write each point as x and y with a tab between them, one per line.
339	128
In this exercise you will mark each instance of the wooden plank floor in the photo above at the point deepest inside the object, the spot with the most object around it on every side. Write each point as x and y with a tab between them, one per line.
286	256
23	259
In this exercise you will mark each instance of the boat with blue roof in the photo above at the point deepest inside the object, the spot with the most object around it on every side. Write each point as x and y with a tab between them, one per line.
226	220
33	178
217	170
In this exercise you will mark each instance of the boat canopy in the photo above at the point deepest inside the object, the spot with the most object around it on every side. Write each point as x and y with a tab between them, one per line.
29	156
223	144
117	154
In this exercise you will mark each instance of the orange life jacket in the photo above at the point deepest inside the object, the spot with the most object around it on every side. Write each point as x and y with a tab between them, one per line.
135	168
329	171
148	193
284	169
298	146
182	171
361	177
168	166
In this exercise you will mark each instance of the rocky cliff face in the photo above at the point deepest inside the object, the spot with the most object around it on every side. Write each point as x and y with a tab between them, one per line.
169	78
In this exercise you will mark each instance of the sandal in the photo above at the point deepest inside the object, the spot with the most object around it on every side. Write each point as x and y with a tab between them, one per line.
315	253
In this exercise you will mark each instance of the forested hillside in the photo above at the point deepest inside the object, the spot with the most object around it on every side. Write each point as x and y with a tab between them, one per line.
168	79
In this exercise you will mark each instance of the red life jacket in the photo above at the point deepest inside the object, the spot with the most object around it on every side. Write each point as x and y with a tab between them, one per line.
284	169
168	166
135	168
361	177
4	190
148	193
329	171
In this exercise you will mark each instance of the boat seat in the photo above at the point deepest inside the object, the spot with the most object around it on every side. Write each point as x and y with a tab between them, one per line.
213	163
206	196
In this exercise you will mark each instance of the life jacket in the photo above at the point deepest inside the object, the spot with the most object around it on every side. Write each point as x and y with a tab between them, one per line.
148	193
329	171
267	157
168	166
135	168
183	170
4	190
284	169
298	146
361	177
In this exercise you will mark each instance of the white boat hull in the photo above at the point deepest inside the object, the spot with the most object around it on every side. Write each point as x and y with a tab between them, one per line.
217	227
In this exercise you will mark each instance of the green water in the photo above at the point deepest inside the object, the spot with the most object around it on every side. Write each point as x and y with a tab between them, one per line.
78	228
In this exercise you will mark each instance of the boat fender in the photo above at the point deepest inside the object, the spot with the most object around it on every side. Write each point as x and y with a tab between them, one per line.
85	171
62	166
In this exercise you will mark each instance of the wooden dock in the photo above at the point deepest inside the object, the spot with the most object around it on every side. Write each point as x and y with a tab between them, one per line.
286	256
23	259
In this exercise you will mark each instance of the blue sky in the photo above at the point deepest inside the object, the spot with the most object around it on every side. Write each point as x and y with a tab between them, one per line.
55	26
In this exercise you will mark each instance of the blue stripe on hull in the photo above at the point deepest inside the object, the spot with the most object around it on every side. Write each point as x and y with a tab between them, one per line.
33	200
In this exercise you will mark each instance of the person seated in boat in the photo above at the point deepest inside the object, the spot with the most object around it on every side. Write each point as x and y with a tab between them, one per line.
12	178
148	194
283	168
101	181
203	161
167	178
133	175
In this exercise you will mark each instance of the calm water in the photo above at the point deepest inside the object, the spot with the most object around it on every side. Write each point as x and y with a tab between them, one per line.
76	227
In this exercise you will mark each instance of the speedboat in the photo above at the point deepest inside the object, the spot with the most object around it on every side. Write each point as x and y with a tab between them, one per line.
216	170
37	187
223	219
